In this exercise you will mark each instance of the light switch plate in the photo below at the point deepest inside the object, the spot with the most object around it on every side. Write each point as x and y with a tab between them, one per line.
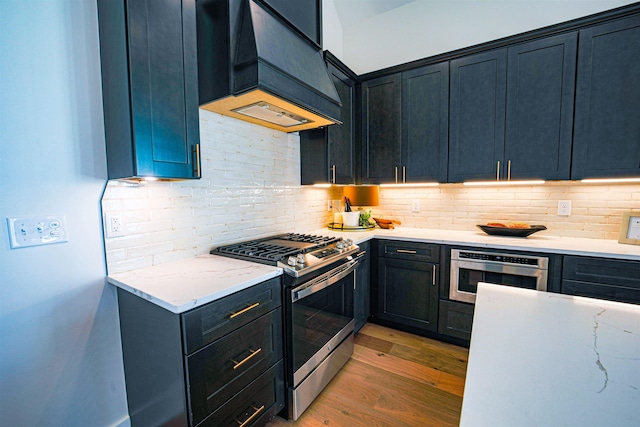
35	230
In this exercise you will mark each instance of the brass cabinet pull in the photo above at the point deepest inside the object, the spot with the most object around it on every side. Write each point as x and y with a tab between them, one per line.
196	162
433	273
333	174
498	171
248	420
244	310
509	170
404	174
236	365
405	251
396	174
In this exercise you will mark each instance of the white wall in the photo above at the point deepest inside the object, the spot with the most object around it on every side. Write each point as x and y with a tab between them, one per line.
425	28
60	355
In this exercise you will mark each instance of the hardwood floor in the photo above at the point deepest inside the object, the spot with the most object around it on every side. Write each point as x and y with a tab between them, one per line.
393	379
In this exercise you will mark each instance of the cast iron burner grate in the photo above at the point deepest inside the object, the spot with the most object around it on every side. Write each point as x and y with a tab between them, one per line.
270	250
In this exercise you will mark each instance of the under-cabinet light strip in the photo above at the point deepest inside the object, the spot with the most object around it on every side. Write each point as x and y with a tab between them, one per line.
501	183
412	184
609	180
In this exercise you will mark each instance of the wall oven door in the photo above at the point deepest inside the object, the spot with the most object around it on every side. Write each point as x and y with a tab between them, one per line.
470	267
319	323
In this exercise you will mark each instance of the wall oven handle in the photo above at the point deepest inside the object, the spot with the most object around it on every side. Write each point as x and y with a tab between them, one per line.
323	281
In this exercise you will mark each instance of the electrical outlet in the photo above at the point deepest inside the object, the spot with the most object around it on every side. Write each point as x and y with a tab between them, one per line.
114	226
416	205
564	207
333	204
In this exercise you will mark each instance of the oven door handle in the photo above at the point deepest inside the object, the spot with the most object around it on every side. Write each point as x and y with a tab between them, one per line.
323	281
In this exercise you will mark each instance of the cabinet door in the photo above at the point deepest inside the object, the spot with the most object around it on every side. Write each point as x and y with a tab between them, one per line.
381	125
341	137
455	319
425	123
477	115
539	121
361	294
327	155
408	293
164	88
606	139
314	160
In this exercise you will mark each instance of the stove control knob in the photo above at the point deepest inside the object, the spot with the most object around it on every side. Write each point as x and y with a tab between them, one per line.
291	261
349	242
300	260
339	244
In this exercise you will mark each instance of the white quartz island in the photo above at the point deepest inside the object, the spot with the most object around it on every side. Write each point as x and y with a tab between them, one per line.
182	285
543	359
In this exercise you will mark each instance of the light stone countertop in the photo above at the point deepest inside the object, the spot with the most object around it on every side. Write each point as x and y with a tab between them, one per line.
182	285
544	359
538	242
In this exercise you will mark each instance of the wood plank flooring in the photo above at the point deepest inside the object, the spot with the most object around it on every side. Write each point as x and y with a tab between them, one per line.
393	379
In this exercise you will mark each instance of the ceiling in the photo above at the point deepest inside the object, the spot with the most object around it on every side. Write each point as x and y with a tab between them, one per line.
350	12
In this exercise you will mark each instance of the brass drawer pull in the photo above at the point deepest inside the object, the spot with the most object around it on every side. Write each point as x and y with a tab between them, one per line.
246	359
244	310
248	420
405	251
433	274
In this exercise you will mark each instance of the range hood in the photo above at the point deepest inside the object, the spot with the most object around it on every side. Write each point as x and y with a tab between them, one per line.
254	67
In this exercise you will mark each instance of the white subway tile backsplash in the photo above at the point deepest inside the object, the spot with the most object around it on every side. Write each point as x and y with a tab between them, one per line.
251	189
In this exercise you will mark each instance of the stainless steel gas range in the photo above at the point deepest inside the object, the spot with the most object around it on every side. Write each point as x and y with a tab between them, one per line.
318	306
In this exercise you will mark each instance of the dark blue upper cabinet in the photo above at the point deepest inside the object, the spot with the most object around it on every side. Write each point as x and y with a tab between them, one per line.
150	88
328	155
607	120
476	114
381	129
425	123
539	121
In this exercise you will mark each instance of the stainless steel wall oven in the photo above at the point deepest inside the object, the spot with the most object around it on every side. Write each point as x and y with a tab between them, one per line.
468	267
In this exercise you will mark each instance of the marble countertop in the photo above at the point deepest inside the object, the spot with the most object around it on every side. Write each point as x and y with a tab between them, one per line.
541	359
538	242
182	285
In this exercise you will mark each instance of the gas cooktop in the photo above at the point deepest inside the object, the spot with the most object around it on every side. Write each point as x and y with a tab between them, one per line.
297	254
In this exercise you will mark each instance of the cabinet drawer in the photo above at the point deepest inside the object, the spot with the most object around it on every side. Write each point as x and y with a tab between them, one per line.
257	403
224	367
602	291
602	270
409	250
205	324
455	319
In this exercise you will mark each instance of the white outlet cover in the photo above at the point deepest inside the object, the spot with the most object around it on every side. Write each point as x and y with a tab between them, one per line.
110	222
564	207
36	230
416	205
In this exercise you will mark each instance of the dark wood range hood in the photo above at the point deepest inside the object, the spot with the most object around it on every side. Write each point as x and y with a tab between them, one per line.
255	67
